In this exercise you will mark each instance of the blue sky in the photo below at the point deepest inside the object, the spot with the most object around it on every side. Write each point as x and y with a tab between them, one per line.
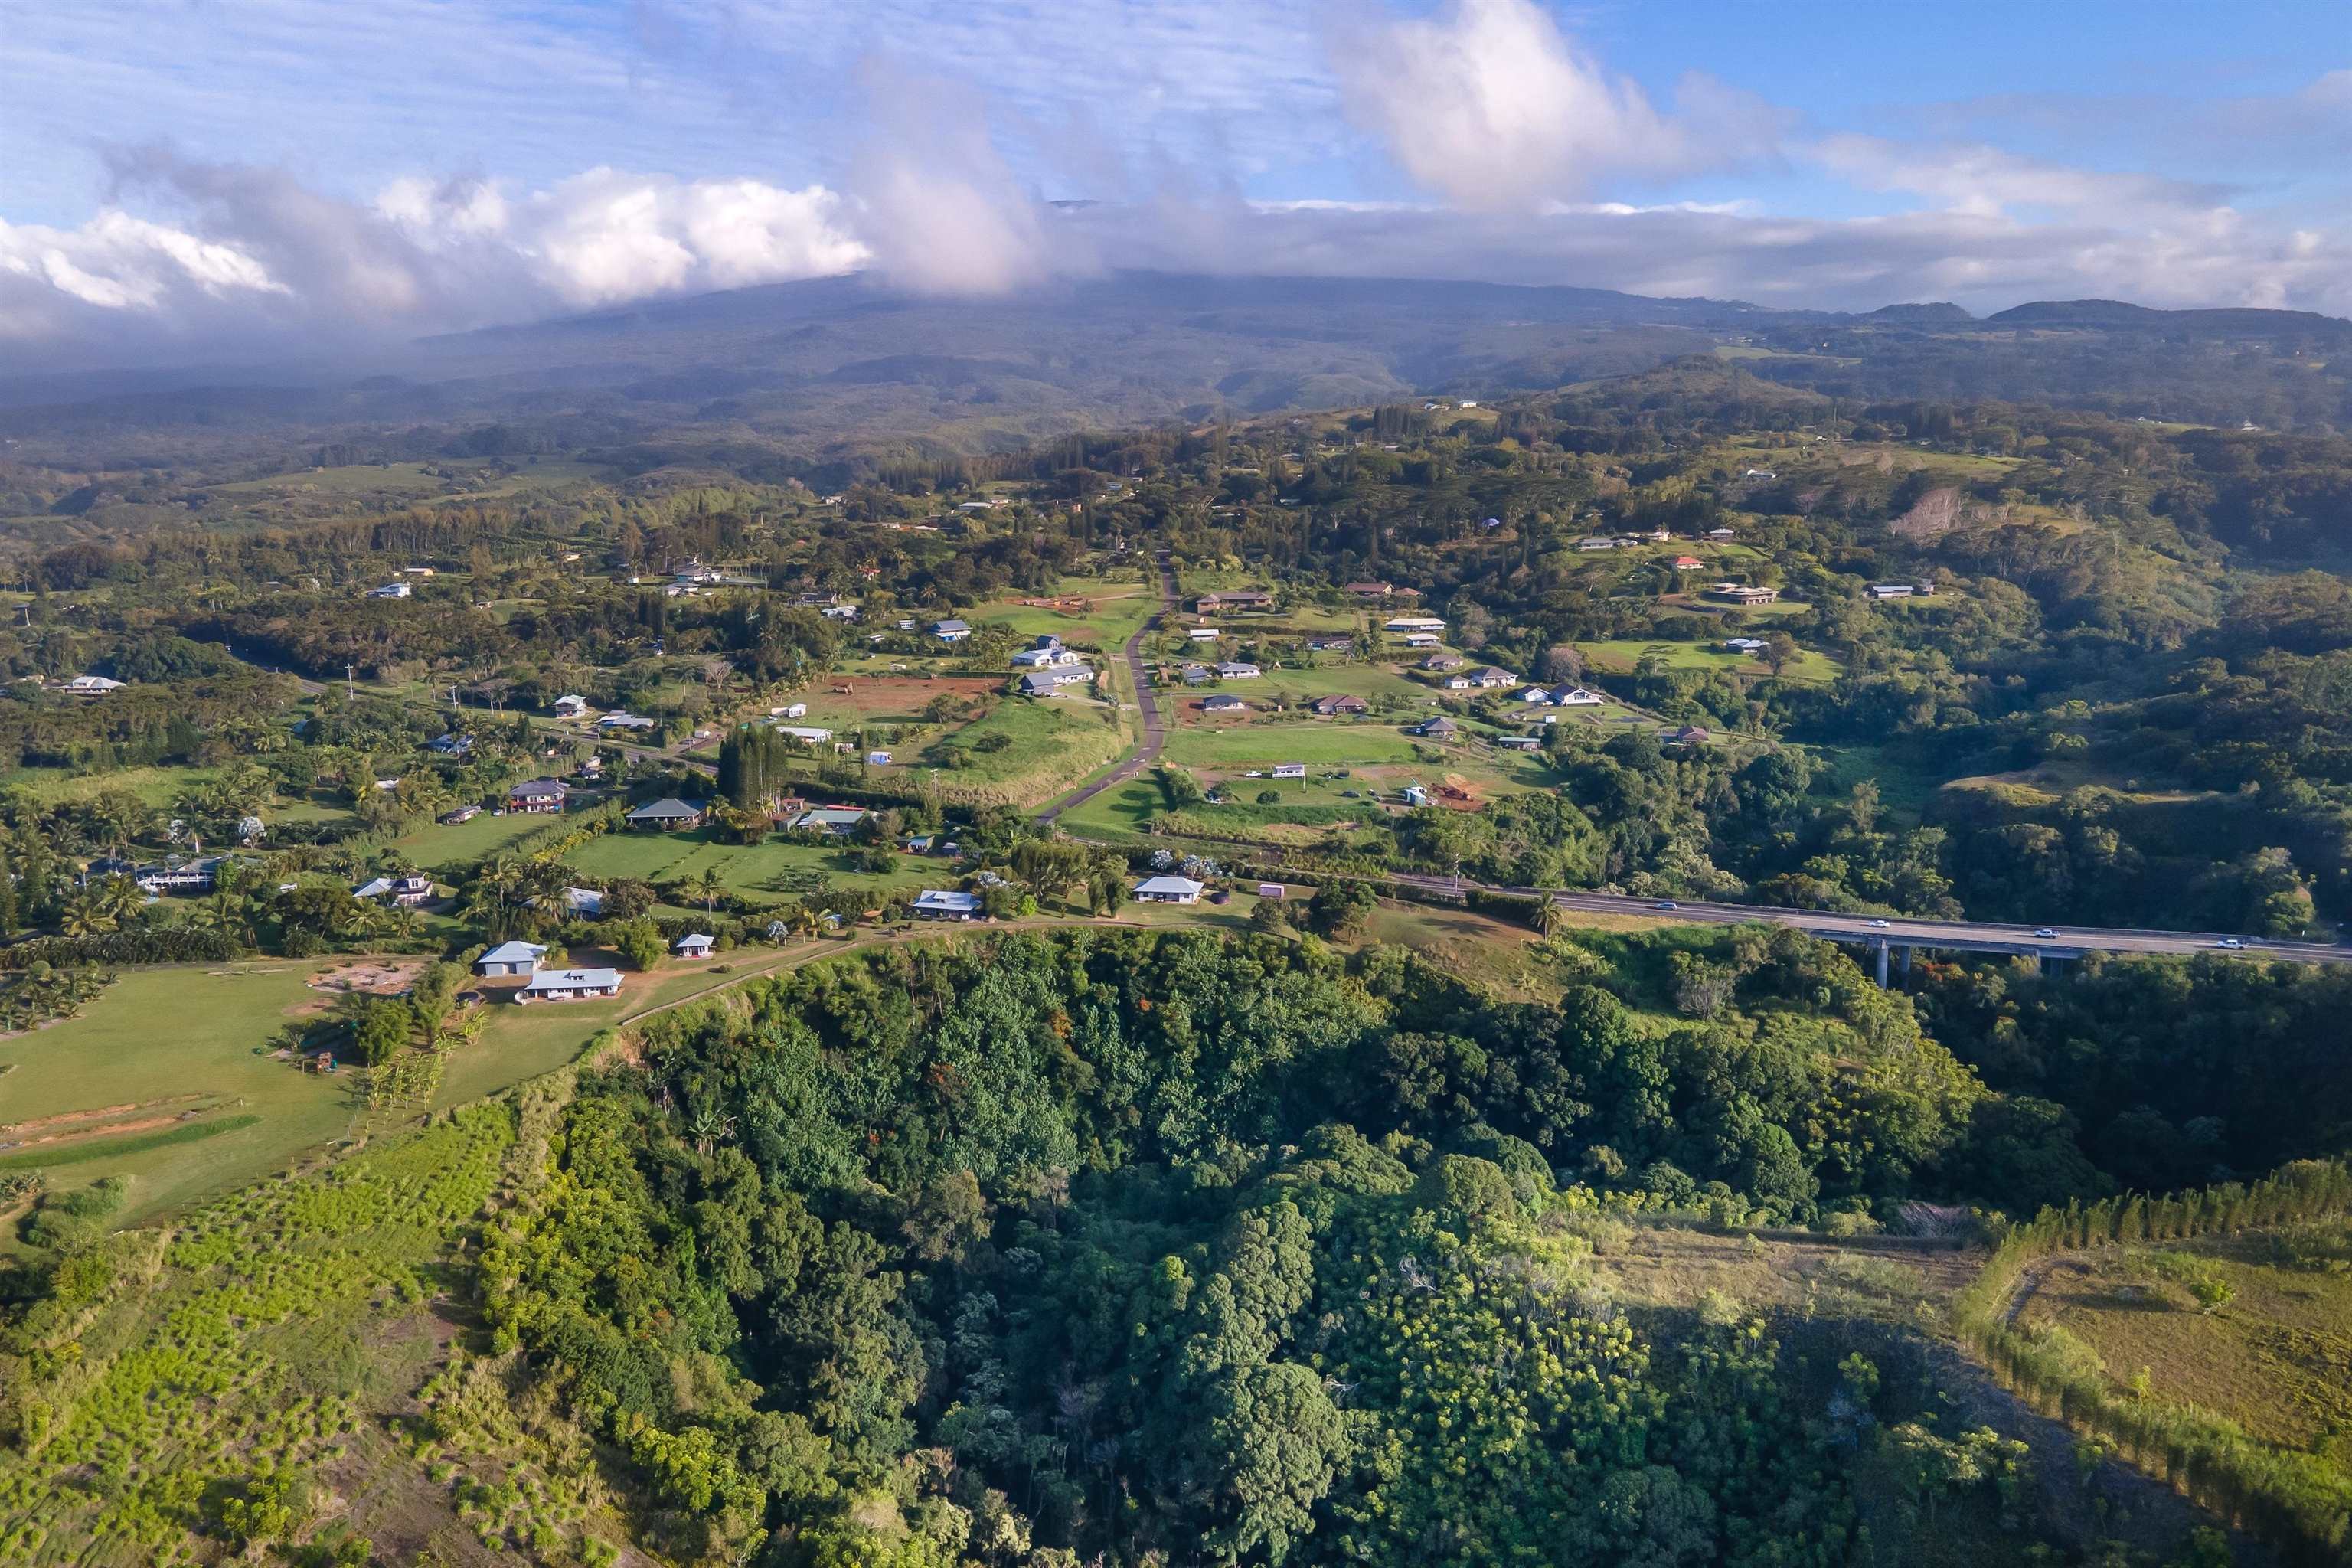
179	169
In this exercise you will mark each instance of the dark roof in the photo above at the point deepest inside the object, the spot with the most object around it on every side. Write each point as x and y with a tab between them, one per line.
540	787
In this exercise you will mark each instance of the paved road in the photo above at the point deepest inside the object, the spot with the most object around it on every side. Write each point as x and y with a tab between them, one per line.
1898	930
1155	731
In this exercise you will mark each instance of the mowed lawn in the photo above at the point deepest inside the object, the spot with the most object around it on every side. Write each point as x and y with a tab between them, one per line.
160	1033
1621	657
765	872
1117	610
437	848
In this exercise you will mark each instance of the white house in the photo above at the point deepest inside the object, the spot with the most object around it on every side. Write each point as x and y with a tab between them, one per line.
1224	704
1743	645
950	630
390	591
790	711
1167	890
1520	742
1890	590
1053	658
813	735
945	904
405	892
694	944
1577	697
1290	770
570	984
91	686
1413	623
509	958
1202	634
1239	671
1421	639
571	705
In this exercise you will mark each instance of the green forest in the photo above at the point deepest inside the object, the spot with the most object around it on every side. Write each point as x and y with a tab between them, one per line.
1174	1250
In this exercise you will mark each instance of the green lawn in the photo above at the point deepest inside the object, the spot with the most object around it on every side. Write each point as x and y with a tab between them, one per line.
1622	656
442	849
1121	605
159	1034
472	480
761	871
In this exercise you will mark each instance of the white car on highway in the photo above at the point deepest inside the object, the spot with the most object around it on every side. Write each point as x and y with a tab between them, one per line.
1877	925
2231	944
2047	933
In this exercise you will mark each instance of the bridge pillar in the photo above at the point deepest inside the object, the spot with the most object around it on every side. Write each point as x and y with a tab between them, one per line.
1906	962
1878	951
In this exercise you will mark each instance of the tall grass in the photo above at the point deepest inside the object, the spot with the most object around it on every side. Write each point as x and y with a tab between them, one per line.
2296	1502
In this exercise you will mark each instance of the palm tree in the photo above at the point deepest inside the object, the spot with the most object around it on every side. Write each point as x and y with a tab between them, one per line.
225	912
85	912
711	885
120	899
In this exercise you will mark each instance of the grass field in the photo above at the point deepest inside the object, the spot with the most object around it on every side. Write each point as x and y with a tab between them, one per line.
155	786
766	872
1622	656
1119	606
2276	1357
158	1035
469	480
437	848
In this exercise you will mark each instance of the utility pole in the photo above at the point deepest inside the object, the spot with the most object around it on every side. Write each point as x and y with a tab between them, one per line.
350	688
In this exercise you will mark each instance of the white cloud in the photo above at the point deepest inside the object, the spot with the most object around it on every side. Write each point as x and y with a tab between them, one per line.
1987	181
1491	106
936	199
114	262
251	254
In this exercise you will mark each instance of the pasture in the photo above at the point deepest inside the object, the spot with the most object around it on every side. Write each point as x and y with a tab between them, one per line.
1621	656
157	1044
768	872
2274	1354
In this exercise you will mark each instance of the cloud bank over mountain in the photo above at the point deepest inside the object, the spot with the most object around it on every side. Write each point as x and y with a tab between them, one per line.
1505	147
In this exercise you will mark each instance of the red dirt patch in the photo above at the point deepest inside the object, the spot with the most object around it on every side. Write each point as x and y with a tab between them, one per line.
98	1114
873	696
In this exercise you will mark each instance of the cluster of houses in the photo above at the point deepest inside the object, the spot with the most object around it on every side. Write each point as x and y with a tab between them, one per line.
521	958
1594	542
1048	667
1201	674
951	904
1562	697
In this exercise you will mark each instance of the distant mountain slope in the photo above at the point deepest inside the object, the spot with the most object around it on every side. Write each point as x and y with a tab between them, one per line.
840	369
